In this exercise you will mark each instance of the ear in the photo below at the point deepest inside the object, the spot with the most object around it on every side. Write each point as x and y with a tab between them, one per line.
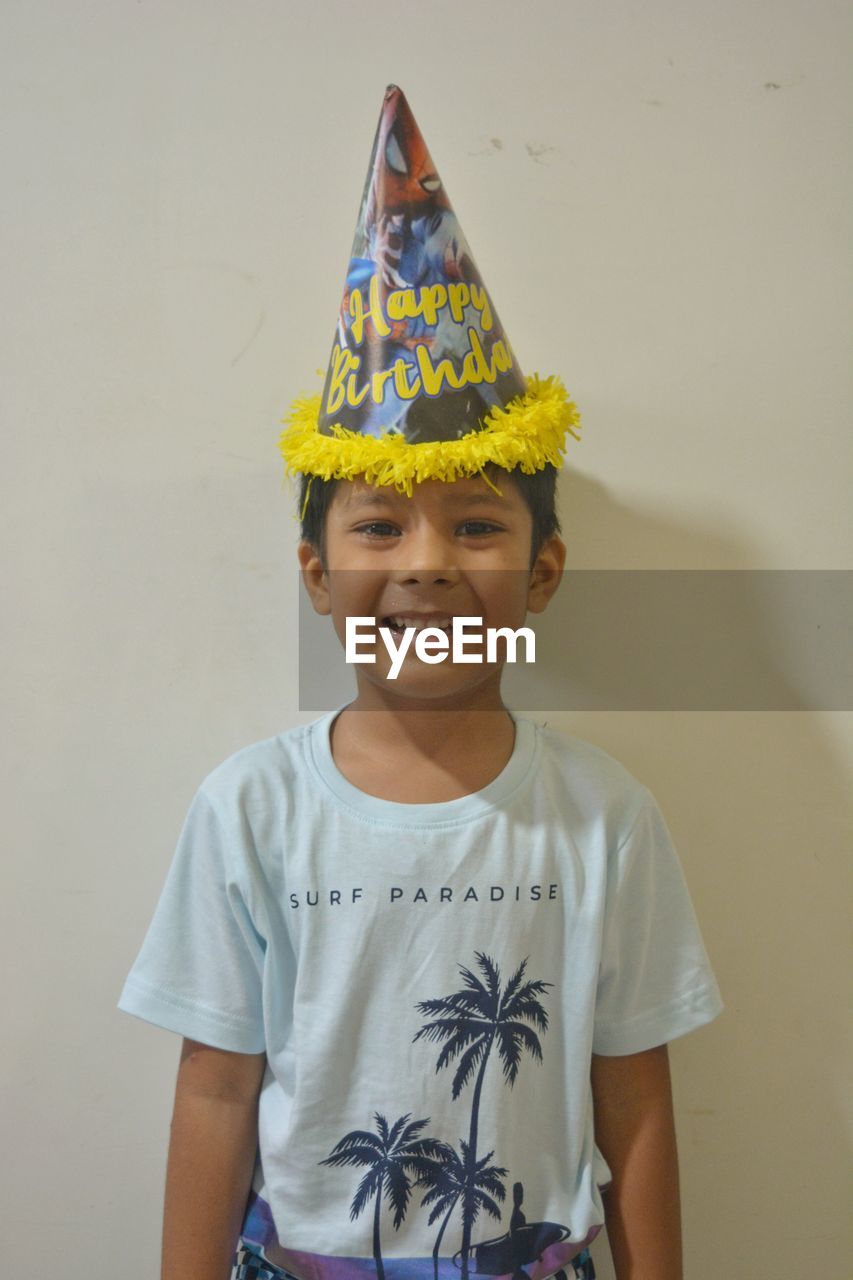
314	576
546	574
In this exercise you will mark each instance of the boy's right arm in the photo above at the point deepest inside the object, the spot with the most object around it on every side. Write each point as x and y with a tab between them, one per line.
212	1148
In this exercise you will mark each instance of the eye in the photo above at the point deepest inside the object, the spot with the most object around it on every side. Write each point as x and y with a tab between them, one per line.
394	156
479	528
377	529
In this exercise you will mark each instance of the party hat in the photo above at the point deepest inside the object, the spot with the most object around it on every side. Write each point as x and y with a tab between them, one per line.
422	382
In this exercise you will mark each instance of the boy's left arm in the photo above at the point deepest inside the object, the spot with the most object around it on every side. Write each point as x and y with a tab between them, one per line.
635	1132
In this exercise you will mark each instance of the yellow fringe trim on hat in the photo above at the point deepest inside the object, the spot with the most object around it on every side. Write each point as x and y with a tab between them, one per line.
529	433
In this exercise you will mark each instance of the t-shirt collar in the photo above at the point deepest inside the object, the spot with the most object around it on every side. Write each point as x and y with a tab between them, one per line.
440	813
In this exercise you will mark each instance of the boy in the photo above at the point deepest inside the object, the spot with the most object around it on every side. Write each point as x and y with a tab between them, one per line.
426	955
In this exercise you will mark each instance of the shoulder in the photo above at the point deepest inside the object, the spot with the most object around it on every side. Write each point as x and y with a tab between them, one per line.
244	806
585	760
588	783
261	776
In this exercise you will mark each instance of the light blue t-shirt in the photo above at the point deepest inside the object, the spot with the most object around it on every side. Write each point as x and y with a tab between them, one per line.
428	982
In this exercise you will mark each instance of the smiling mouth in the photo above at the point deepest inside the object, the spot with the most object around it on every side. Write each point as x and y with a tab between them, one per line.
399	622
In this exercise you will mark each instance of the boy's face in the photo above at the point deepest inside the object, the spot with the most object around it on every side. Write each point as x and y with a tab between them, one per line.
452	549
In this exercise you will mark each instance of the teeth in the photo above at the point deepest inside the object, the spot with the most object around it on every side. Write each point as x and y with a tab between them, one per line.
419	624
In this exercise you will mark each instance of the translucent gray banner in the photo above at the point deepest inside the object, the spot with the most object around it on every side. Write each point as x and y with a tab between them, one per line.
635	639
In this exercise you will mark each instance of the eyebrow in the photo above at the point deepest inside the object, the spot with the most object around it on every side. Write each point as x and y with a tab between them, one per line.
383	500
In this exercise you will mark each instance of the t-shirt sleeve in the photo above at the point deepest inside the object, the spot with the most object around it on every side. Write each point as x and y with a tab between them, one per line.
655	980
199	971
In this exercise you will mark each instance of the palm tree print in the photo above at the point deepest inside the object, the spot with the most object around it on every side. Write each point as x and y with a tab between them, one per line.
390	1156
471	1022
446	1179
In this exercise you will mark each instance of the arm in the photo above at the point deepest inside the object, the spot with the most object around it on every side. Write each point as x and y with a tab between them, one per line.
212	1149
635	1132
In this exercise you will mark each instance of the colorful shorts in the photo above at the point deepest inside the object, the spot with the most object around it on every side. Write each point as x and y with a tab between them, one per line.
249	1265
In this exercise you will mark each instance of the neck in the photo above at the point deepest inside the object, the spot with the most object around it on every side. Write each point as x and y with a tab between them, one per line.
421	750
427	724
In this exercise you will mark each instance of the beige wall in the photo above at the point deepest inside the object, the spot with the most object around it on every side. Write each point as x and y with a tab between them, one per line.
655	195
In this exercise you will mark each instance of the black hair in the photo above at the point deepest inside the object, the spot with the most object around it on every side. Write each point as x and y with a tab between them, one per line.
538	490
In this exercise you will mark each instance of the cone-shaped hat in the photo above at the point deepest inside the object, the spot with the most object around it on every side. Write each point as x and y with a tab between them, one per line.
422	381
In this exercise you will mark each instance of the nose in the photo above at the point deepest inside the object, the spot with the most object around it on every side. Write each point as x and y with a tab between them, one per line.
428	556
